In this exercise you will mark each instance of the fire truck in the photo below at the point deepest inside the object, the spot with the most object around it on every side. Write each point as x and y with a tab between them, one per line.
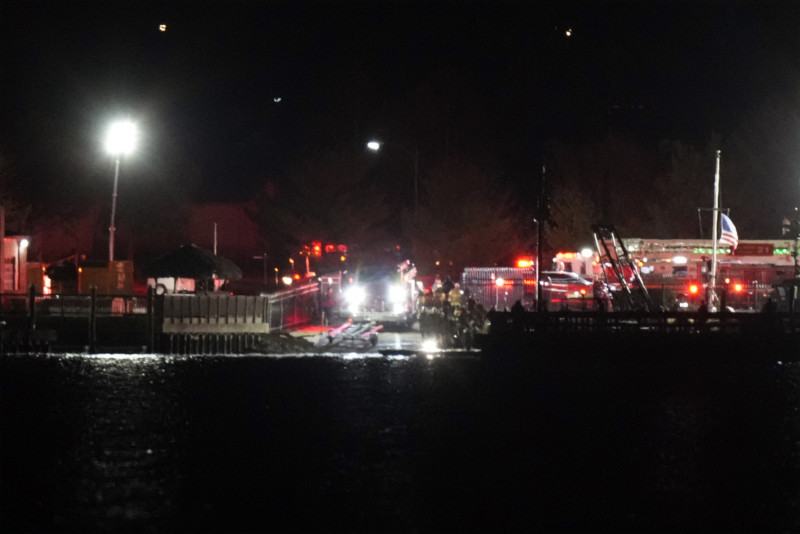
677	271
380	293
500	287
745	275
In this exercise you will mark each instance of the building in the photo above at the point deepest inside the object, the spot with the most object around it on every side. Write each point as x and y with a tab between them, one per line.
14	275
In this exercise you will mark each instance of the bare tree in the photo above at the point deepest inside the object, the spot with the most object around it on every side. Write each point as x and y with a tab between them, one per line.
17	211
685	185
466	217
329	198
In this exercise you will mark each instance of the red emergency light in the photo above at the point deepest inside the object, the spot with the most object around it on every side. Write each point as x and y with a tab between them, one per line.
693	289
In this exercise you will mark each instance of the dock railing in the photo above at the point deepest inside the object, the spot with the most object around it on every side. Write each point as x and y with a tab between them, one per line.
225	313
83	319
659	322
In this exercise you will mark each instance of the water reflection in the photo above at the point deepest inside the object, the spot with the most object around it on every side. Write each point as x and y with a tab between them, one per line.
355	441
123	414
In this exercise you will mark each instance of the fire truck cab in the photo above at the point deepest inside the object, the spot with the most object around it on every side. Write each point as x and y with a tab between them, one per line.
380	293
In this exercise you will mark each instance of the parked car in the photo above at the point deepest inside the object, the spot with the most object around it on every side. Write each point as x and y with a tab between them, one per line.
568	290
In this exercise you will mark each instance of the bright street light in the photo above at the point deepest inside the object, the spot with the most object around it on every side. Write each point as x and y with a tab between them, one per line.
120	141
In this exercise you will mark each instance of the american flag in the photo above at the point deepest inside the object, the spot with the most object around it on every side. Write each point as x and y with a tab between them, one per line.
728	235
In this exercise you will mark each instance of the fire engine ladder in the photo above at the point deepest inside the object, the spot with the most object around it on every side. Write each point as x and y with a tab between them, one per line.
612	252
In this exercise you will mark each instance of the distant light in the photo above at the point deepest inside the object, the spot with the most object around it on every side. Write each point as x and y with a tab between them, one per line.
499	282
693	289
587	253
568	33
162	27
524	263
430	345
23	243
287	280
277	99
374	145
121	138
679	260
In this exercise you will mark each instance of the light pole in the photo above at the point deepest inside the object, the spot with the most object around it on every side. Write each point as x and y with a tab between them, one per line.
376	145
120	141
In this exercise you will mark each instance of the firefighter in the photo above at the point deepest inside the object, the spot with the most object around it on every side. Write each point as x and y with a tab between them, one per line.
517	316
600	294
327	307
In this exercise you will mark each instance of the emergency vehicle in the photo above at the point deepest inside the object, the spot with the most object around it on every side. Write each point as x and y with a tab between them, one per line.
677	271
500	287
379	293
745	275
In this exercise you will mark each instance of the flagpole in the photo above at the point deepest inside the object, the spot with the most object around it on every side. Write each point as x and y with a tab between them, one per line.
713	277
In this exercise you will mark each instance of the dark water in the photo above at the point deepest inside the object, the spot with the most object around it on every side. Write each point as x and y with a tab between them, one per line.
453	444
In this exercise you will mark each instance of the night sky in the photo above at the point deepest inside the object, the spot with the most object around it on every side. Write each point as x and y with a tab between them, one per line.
232	93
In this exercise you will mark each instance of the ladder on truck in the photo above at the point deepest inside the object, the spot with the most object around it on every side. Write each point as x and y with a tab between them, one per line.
613	253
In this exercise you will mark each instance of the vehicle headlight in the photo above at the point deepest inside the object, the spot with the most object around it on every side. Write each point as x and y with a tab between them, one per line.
355	296
397	294
430	345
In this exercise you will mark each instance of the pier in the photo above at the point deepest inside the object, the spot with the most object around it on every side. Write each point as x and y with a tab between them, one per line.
675	333
189	323
221	323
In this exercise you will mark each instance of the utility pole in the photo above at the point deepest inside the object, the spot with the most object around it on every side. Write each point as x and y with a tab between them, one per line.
794	228
215	239
2	239
712	295
540	218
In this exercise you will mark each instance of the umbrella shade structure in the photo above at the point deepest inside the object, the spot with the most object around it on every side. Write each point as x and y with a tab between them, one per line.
227	270
191	261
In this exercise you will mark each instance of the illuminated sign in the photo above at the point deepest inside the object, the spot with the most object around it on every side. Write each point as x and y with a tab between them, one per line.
754	249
